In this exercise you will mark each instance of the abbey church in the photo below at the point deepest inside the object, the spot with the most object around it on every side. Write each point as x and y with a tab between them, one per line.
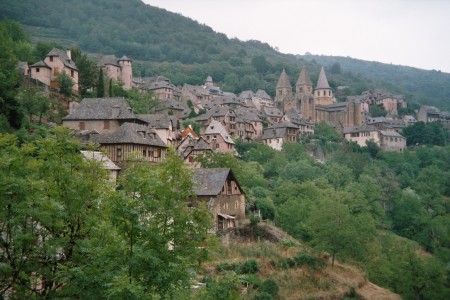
317	104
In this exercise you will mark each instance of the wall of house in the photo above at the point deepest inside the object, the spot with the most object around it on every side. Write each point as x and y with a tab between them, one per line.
218	144
275	143
111	72
233	205
120	153
101	126
361	137
323	97
389	143
43	75
57	67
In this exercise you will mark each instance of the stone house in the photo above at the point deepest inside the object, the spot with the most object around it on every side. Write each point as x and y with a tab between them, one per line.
102	115
165	126
275	135
161	87
392	141
131	142
173	107
272	114
190	148
361	134
220	190
56	62
197	94
248	123
303	124
118	69
219	139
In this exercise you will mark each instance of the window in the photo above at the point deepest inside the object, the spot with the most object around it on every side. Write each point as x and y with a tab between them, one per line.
55	71
72	74
236	204
37	70
119	152
51	58
144	153
82	126
191	158
217	146
230	190
106	124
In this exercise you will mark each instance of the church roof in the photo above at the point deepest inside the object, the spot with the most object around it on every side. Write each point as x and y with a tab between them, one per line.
322	82
304	78
283	82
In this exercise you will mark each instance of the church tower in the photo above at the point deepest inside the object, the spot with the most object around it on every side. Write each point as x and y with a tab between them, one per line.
304	95
283	91
323	94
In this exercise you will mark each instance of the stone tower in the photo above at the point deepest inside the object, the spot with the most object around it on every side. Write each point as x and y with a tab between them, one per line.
304	94
283	91
323	94
126	73
209	81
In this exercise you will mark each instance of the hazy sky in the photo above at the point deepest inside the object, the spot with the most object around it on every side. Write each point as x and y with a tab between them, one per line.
403	32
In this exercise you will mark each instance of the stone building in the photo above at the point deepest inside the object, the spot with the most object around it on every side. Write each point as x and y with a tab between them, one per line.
56	62
119	69
223	195
318	104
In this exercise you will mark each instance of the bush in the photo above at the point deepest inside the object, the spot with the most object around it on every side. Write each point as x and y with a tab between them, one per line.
267	208
263	296
249	267
226	267
305	258
269	286
254	220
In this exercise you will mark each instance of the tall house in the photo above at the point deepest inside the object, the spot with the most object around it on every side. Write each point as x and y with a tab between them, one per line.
304	94
323	94
283	91
126	74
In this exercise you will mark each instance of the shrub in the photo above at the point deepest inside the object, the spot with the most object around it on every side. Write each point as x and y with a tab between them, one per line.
305	258
269	286
249	267
263	296
254	220
226	267
267	208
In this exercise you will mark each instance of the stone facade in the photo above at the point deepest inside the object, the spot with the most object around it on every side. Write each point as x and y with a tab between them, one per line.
119	69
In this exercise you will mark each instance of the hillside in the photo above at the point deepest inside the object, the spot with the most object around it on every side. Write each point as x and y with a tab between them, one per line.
298	272
165	43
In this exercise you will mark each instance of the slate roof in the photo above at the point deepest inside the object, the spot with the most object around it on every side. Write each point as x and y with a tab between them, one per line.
130	133
304	78
215	127
103	159
322	82
362	128
159	121
172	104
101	109
273	112
246	94
209	182
277	130
40	64
64	58
262	94
108	60
283	82
391	133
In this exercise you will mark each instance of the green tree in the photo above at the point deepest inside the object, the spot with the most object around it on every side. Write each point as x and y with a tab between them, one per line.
65	83
87	71
100	84
161	233
142	102
50	201
337	231
33	102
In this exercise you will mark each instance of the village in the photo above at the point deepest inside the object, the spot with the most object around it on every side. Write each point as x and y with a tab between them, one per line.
223	118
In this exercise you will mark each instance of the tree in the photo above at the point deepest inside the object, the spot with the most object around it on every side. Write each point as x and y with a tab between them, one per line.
100	84
376	111
65	83
87	70
336	230
161	234
50	201
142	102
33	102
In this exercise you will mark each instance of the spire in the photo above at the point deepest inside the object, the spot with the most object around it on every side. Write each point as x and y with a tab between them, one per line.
303	78
283	82
322	82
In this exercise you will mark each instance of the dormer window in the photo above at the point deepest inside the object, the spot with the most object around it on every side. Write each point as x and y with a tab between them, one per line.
51	58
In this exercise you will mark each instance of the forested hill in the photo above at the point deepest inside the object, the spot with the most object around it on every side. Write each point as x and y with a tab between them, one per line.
165	43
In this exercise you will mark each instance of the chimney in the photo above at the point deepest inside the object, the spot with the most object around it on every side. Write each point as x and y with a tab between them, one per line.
73	106
115	111
69	54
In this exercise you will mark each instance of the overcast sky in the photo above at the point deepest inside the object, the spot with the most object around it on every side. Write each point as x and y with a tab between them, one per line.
403	32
